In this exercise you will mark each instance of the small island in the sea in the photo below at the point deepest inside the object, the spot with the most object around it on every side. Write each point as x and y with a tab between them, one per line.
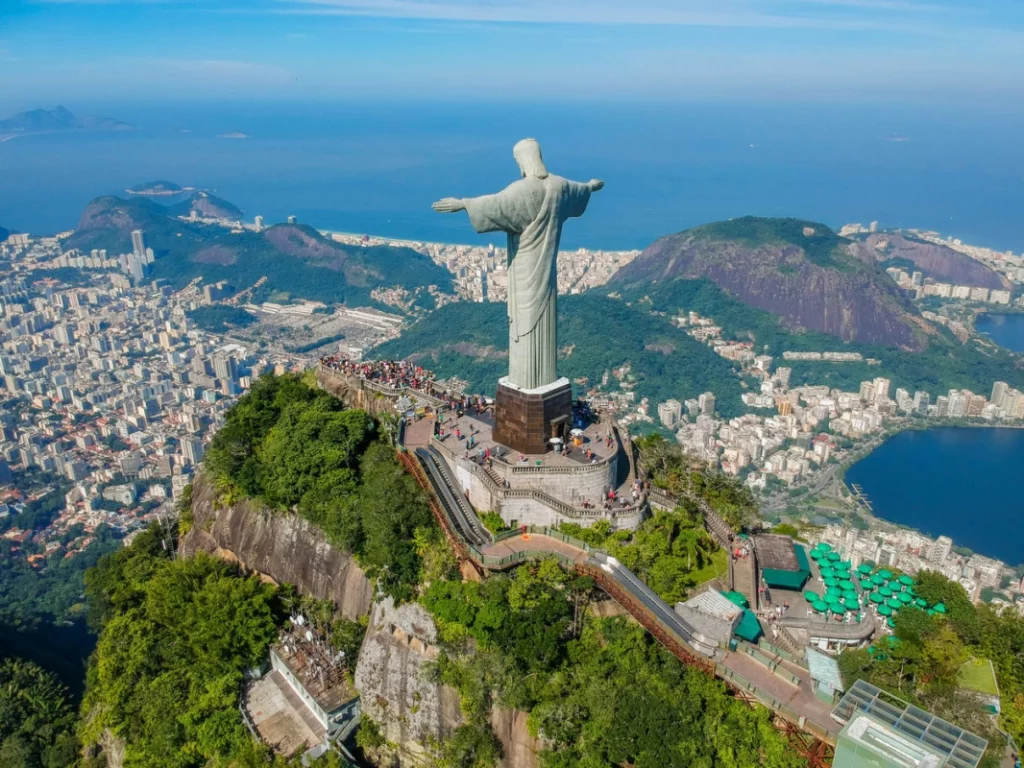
158	188
233	135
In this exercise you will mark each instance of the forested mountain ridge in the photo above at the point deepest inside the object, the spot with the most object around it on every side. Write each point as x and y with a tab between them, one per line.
297	260
596	334
799	270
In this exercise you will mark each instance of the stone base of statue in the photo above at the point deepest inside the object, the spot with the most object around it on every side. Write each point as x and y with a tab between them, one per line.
526	419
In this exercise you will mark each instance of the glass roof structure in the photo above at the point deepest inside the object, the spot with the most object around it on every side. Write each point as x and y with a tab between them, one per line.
961	749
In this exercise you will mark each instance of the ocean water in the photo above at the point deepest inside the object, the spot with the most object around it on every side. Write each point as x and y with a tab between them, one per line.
964	483
376	169
1005	330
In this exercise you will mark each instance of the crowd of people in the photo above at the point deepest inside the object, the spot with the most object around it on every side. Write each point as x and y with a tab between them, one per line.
392	373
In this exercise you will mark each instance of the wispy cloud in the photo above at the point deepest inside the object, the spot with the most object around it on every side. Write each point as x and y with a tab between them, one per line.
721	13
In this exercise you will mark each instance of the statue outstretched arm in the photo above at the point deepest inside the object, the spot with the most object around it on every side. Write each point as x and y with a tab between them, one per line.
449	205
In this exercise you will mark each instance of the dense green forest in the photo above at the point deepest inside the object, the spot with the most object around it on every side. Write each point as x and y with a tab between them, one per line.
293	445
221	318
946	364
601	692
595	335
923	664
36	717
176	637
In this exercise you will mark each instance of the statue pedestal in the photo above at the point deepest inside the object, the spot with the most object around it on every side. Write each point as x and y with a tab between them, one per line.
525	419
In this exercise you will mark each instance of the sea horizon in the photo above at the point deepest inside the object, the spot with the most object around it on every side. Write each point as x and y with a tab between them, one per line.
376	170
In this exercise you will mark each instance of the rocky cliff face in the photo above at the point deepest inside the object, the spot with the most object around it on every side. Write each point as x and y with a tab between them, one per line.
413	710
800	271
937	261
285	548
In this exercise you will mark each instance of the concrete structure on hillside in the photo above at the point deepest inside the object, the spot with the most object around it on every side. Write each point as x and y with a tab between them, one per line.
884	731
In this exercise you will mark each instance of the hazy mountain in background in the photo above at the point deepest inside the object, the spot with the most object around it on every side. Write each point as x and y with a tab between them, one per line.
54	120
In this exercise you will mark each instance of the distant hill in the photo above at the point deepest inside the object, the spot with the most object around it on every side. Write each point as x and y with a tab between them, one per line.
937	261
55	120
157	188
297	260
800	271
595	334
207	206
4	234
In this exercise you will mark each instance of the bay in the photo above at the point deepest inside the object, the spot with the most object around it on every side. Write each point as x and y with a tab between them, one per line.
1005	330
376	168
961	482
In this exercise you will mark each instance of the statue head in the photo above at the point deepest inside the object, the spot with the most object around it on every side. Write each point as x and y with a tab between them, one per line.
527	155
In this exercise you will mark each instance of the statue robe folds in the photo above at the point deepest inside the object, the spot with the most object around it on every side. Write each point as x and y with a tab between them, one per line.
531	211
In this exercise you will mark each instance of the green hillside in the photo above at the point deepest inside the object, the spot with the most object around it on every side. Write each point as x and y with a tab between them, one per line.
945	364
297	261
596	334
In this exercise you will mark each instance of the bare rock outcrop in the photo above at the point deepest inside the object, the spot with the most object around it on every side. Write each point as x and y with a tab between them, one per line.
282	547
395	686
413	710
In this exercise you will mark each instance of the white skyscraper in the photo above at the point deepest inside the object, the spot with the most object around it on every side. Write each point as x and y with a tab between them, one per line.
138	243
258	223
999	392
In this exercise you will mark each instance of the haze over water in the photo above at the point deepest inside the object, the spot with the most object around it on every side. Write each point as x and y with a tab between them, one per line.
377	168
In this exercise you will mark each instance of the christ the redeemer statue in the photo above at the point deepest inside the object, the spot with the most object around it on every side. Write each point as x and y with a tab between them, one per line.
531	212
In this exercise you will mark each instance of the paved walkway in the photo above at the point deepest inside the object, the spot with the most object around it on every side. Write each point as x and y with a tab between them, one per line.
535	542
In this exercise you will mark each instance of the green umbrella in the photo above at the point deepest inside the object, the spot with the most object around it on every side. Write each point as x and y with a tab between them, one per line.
843	575
837	607
885	574
832	557
876	597
834	591
894	585
845	564
890	623
866	585
904	598
827	573
911	591
884	610
931	611
864	568
940	607
849	594
816	554
878	579
921	602
906	580
820	606
846	584
885	592
831	582
824	546
811	597
851	604
893	603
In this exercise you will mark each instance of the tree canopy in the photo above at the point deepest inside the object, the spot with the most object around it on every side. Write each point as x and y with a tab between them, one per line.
296	447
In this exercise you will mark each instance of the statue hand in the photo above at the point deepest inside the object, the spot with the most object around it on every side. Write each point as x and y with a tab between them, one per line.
448	205
595	185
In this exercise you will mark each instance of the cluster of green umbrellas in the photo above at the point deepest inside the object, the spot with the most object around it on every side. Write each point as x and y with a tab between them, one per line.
888	592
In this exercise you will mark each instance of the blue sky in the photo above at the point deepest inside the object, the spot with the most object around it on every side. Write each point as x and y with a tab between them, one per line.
77	51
